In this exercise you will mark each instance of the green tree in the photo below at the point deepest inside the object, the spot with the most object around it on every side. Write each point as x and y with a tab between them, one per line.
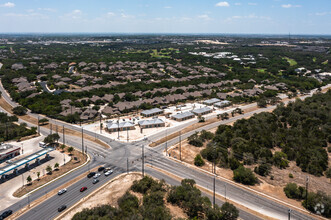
29	179
43	121
56	166
262	103
198	161
62	147
70	150
229	211
19	110
52	138
245	176
49	169
280	160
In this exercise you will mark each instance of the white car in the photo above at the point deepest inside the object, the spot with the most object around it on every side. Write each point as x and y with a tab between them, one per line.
62	191
96	175
108	172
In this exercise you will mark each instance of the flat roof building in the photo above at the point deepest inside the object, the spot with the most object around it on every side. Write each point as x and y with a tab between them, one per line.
211	101
151	112
122	126
153	123
222	104
8	151
202	111
183	116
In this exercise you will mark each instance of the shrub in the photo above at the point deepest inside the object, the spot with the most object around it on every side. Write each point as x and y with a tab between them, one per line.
147	183
280	160
328	173
229	211
292	191
290	175
263	169
234	163
19	110
245	176
198	161
315	201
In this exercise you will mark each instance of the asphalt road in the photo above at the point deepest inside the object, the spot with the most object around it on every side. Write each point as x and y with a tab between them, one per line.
117	156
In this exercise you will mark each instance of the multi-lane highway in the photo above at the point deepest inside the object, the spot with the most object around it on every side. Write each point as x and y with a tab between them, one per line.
117	155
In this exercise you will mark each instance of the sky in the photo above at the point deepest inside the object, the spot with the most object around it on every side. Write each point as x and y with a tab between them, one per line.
166	16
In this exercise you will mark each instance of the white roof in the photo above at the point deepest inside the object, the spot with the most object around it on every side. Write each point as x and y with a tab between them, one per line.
201	110
183	115
152	111
112	125
151	122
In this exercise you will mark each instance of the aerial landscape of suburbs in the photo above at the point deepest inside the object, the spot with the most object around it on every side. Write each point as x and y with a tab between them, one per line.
165	110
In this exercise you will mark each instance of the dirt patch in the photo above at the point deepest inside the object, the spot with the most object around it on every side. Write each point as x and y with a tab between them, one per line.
5	105
107	194
81	159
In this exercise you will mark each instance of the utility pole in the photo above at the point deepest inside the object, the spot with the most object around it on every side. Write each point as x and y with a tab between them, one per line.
100	124
289	214
127	165
118	128
225	191
180	145
82	140
38	127
64	137
127	134
143	160
51	127
29	200
214	191
307	181
166	146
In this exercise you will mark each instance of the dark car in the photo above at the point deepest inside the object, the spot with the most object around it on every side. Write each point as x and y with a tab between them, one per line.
90	175
95	181
61	208
101	169
5	214
83	188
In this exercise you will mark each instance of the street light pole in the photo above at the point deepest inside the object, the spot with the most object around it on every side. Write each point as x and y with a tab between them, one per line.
143	160
180	145
64	138
83	140
166	146
289	214
127	165
214	191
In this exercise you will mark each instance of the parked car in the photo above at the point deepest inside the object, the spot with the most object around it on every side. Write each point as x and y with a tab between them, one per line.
95	181
83	188
96	175
108	172
61	208
61	191
90	174
106	169
5	214
101	169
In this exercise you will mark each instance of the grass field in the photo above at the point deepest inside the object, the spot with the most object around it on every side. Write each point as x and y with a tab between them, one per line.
261	70
292	62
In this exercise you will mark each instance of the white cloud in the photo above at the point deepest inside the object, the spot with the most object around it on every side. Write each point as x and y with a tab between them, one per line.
222	4
126	16
237	3
291	6
167	7
322	13
73	15
252	3
204	17
251	16
47	9
110	14
8	5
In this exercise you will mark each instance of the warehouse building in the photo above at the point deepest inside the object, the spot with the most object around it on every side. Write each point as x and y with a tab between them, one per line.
202	111
151	112
153	123
211	101
183	116
222	104
122	126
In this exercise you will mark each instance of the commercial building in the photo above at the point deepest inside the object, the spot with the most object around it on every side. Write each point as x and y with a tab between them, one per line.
151	112
183	116
153	123
222	104
122	126
211	101
202	111
8	151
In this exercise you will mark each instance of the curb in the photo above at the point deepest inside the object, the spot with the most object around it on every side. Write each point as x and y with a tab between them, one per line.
59	177
91	194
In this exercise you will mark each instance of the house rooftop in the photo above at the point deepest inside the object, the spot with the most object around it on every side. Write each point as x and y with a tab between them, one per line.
151	122
183	115
151	111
